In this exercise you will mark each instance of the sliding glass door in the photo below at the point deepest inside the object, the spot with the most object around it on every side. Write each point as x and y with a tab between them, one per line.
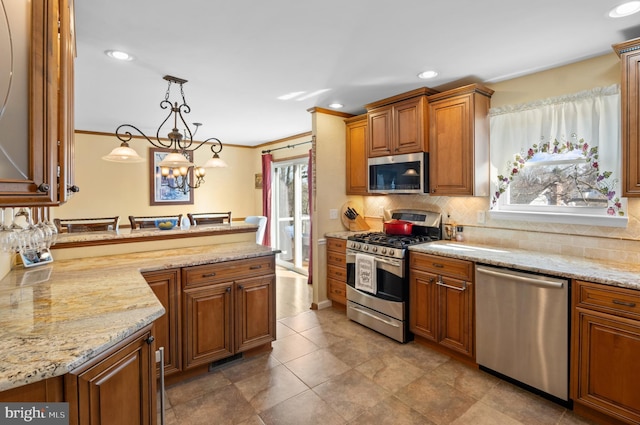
291	221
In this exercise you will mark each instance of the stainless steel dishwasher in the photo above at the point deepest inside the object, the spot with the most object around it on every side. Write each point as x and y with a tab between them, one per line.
522	328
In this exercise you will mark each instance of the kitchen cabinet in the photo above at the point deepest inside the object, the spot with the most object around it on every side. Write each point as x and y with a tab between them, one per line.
441	298
165	284
399	124
459	141
356	151
119	387
337	270
38	116
605	347
629	53
229	307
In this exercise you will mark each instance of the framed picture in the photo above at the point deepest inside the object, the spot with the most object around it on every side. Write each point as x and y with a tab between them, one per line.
258	181
161	188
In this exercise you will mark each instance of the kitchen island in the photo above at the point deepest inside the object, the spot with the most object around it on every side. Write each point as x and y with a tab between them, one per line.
56	317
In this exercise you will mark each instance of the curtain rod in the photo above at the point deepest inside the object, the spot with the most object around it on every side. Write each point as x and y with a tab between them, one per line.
286	147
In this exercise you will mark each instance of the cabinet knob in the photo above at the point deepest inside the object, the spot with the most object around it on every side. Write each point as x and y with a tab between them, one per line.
74	189
43	188
433	191
228	289
240	287
150	339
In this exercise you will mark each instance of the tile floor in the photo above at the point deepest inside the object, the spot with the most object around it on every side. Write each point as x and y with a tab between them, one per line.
325	369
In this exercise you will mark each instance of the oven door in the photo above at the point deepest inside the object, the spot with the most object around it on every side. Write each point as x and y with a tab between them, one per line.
390	275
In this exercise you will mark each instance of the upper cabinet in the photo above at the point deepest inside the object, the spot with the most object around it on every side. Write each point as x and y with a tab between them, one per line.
629	53
356	155
399	124
459	141
36	102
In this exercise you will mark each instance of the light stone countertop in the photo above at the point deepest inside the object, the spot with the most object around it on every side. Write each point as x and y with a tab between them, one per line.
56	317
625	275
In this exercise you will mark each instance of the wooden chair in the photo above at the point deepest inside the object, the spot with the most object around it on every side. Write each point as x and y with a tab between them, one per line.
150	221
209	218
79	225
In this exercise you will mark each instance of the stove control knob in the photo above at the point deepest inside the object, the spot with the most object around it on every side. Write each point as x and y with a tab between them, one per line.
391	252
384	250
366	247
374	249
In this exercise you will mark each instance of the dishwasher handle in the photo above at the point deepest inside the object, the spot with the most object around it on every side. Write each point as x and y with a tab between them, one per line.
530	280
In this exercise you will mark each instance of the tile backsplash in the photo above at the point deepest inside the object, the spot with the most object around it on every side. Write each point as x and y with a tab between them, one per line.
597	242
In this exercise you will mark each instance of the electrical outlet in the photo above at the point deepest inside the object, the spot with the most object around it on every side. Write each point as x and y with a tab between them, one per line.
380	211
333	214
480	217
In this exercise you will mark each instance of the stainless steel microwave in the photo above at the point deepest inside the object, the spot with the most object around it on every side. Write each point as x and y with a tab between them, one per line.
396	174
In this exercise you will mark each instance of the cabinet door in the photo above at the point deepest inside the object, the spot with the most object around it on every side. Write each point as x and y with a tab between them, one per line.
423	304
119	389
455	301
208	324
255	311
450	147
165	284
409	126
29	119
380	132
357	167
631	123
607	365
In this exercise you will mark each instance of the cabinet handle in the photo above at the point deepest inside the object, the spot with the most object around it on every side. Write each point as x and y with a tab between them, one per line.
624	303
437	265
150	339
74	189
256	267
228	289
43	187
240	287
209	274
433	191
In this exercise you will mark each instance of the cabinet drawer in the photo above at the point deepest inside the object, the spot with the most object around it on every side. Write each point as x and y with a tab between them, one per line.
608	299
227	271
337	245
337	273
337	291
460	269
337	259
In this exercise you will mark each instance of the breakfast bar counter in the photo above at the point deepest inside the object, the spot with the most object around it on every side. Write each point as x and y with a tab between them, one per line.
56	317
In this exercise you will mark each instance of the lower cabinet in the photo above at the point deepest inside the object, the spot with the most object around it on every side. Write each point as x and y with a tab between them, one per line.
605	349
119	387
441	302
337	270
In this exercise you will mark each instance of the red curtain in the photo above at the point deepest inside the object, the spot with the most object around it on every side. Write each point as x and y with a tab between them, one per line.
267	159
310	187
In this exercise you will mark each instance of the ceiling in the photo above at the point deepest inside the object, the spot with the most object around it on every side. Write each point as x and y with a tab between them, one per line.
239	56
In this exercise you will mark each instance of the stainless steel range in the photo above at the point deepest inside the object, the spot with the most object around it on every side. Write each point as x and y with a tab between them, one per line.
378	274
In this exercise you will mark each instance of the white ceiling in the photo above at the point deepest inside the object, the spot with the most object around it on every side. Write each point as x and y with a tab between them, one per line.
240	55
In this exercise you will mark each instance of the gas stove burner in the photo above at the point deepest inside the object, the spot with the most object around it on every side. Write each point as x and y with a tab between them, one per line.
393	241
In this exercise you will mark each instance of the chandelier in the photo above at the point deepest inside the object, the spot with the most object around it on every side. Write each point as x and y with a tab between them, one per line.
176	165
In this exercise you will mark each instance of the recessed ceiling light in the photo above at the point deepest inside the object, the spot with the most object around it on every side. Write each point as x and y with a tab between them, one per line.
425	75
336	105
625	9
120	55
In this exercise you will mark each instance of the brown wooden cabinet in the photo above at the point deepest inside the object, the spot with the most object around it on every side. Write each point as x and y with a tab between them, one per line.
228	307
45	126
629	53
119	387
441	306
356	150
337	270
399	124
605	347
165	284
459	141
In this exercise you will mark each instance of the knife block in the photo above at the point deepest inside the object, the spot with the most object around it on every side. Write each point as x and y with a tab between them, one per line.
358	225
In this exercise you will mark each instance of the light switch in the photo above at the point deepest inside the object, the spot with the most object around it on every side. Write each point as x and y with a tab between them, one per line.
333	214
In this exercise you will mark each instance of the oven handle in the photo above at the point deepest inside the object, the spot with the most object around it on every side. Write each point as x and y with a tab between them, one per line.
390	261
366	313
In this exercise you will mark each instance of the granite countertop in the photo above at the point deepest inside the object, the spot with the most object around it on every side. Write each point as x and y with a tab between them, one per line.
56	317
609	273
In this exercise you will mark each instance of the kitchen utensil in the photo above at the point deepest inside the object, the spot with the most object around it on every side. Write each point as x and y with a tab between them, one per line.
397	227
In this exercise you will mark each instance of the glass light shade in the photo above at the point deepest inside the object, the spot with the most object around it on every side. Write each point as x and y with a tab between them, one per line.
200	171
123	153
175	160
215	162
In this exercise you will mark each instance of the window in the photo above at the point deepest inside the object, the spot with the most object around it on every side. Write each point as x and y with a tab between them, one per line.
558	180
